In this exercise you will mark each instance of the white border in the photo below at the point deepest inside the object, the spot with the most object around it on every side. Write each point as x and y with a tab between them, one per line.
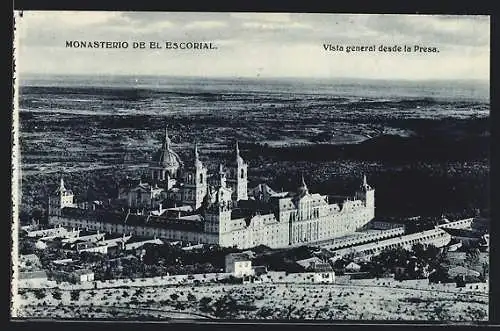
16	169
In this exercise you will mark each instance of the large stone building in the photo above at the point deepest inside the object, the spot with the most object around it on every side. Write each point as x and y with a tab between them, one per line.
184	202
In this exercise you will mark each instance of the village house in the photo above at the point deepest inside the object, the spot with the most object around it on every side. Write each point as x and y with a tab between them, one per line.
239	265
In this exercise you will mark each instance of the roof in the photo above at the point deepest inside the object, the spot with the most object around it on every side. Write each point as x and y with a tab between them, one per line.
137	239
353	265
459	270
238	257
194	224
237	213
249	253
143	186
188	248
166	157
106	216
263	188
322	267
463	233
181	208
63	261
195	217
187	223
29	257
282	194
307	262
83	272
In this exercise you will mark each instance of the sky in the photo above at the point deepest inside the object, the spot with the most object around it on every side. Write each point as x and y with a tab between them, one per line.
254	44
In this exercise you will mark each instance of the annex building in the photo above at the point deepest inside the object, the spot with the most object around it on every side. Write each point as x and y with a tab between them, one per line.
183	201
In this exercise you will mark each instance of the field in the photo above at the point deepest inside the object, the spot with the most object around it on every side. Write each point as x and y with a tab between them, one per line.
258	301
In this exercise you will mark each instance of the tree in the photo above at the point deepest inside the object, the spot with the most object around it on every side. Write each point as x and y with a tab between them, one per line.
56	295
174	296
440	274
339	264
432	253
179	305
225	307
191	297
265	312
75	295
472	257
204	304
39	293
418	250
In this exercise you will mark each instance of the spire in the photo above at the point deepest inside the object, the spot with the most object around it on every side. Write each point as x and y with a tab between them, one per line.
365	185
196	154
239	159
221	169
197	161
303	182
303	187
61	185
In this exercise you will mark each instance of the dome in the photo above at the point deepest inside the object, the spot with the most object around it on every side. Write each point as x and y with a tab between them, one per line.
167	158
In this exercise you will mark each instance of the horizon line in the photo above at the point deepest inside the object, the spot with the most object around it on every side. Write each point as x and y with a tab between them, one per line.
97	75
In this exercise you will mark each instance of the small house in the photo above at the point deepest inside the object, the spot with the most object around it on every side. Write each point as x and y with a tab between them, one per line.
32	278
239	264
352	267
83	275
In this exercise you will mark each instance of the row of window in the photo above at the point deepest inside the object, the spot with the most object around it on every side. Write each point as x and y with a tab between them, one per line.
165	233
406	242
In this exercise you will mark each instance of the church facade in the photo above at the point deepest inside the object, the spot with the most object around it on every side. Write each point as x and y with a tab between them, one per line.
183	201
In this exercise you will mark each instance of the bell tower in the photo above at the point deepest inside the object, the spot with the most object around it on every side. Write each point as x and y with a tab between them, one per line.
366	194
195	182
60	198
237	178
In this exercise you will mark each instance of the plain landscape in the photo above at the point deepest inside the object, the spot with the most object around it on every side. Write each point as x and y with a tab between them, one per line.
424	146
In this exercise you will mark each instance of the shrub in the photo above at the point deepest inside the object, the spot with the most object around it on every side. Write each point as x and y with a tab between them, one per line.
75	295
56	295
205	300
39	293
265	312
